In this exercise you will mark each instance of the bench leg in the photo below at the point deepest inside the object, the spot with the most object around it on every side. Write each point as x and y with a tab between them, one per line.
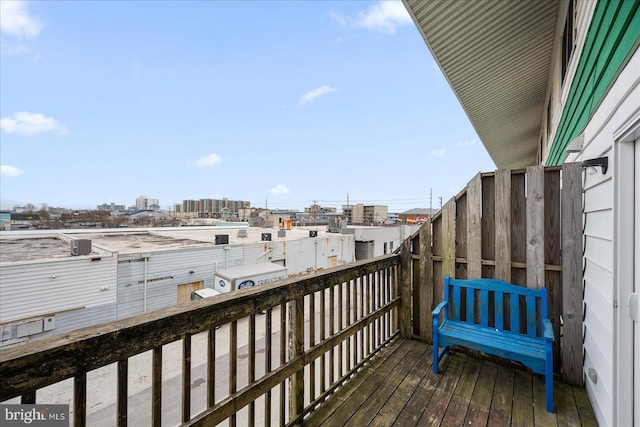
436	359
548	377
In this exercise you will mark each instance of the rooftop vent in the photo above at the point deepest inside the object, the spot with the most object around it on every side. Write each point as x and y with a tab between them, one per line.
80	247
282	233
222	239
242	233
266	237
313	233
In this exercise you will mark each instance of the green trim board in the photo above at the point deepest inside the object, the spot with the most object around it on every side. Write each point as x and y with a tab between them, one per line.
614	34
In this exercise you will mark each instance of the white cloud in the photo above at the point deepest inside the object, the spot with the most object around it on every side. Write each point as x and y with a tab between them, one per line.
15	20
12	171
279	189
438	153
468	143
208	160
30	124
311	95
7	49
384	16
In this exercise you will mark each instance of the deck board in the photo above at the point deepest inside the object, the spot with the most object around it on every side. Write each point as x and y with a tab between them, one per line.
399	388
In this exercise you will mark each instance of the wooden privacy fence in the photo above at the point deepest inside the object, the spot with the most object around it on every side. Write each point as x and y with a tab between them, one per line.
521	226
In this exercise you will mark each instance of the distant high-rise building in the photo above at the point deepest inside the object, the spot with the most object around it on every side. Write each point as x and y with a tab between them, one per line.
143	202
110	207
214	206
361	214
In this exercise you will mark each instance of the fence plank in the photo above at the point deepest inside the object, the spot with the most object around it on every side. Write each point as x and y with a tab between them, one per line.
572	273
503	225
488	222
552	255
474	228
535	227
449	238
461	235
518	229
425	289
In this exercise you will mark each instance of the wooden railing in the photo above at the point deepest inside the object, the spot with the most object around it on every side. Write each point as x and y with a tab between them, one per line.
283	347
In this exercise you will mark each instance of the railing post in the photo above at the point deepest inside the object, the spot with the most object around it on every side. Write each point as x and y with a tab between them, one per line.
572	273
405	289
296	348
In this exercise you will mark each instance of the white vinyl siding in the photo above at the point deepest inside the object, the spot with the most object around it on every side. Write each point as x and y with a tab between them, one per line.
600	340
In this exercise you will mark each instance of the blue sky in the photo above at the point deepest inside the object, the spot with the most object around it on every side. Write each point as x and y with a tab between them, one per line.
281	103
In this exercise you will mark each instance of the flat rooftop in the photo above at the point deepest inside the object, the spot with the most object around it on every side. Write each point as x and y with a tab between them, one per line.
12	250
28	245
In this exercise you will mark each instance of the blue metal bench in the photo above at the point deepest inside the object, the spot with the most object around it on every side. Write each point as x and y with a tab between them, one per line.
484	315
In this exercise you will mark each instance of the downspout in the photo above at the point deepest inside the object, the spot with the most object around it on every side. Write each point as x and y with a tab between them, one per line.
144	304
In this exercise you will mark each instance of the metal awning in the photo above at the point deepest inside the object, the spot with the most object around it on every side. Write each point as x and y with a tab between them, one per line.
496	55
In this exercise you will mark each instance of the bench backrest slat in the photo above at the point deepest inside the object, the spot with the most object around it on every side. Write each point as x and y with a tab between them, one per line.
484	308
482	302
471	314
531	316
499	310
514	307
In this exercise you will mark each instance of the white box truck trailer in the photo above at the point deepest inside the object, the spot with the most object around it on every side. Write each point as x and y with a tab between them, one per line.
246	276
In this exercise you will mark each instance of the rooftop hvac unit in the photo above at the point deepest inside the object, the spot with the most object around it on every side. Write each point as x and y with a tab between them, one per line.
282	233
222	239
242	233
266	237
80	247
313	233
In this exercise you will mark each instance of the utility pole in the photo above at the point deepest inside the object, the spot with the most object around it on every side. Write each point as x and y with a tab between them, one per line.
430	201
440	202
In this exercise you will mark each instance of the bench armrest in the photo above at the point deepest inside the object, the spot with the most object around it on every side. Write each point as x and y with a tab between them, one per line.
548	330
436	311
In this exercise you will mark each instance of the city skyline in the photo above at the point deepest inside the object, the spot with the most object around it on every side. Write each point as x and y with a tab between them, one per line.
277	103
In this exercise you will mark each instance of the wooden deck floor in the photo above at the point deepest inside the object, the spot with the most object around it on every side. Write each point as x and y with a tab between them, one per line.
399	388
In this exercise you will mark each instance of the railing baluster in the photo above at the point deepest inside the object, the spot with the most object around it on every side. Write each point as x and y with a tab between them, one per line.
80	400
377	306
28	398
211	367
369	305
283	359
323	336
340	326
348	323
186	378
252	365
123	394
267	365
312	342
156	387
332	326
362	311
233	364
